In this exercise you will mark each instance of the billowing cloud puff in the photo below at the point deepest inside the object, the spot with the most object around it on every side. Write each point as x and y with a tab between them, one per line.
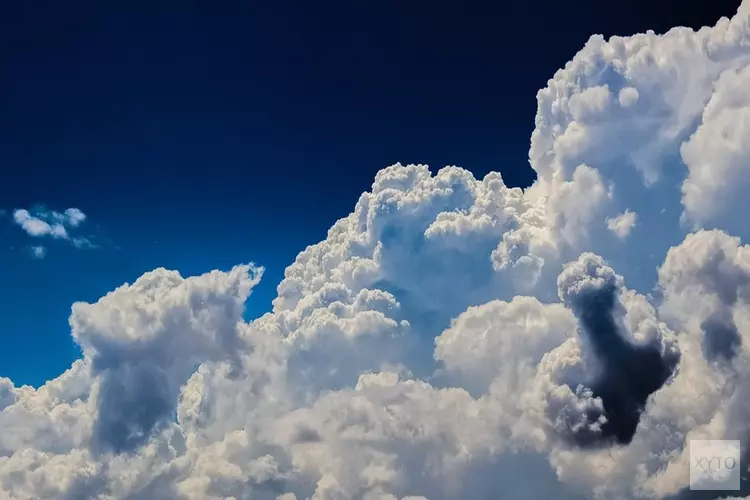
451	337
144	340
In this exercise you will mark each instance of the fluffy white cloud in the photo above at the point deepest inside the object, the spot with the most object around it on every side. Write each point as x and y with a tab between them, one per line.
717	153
502	342
36	225
451	337
49	223
622	224
74	217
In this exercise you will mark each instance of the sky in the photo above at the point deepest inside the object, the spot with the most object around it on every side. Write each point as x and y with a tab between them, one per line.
192	133
372	250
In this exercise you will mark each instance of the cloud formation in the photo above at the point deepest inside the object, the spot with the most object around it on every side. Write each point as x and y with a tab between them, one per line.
43	223
451	337
627	371
37	226
48	223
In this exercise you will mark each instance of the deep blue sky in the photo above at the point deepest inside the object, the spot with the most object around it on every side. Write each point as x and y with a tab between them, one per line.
199	135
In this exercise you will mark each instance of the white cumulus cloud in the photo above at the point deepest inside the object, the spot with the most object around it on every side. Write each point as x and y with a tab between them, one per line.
451	337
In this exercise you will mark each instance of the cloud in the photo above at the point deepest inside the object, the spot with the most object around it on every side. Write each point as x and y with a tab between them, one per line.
451	337
38	251
622	224
37	226
716	154
142	352
628	372
74	217
49	223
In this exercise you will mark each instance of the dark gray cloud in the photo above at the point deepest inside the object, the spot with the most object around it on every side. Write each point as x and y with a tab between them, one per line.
132	402
627	373
728	281
721	339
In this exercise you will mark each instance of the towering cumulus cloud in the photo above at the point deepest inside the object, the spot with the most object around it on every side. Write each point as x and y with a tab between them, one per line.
451	337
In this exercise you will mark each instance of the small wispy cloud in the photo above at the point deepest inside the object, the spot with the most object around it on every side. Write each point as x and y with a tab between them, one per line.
38	251
83	243
72	217
42	223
